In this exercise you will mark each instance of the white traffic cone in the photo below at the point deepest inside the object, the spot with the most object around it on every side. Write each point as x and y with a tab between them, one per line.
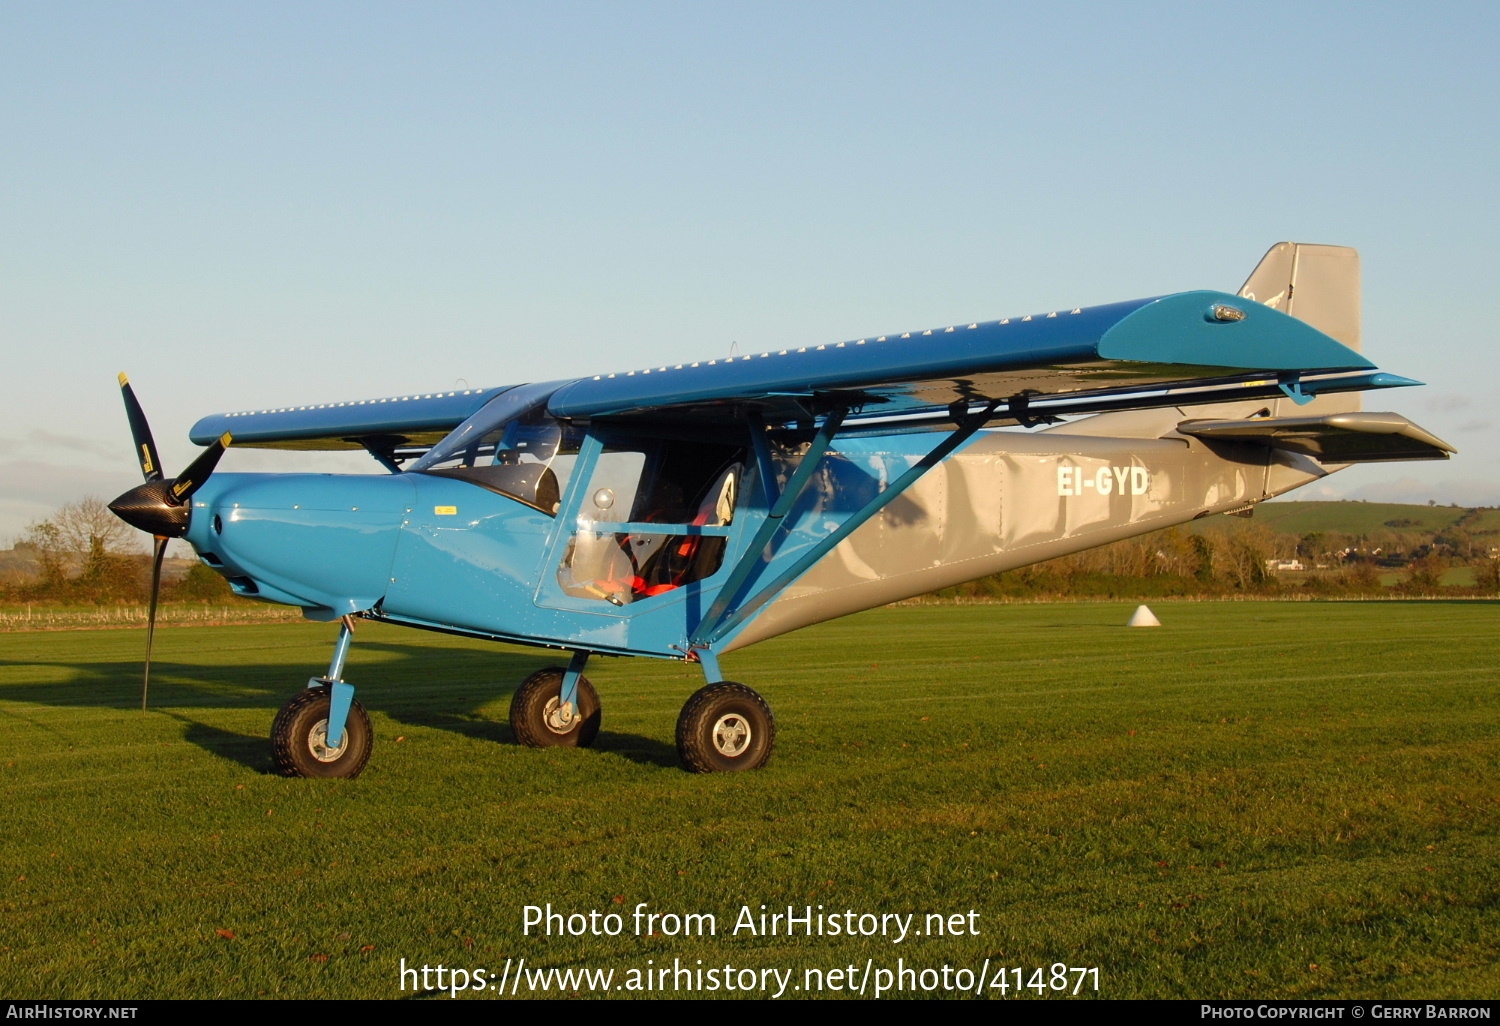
1143	618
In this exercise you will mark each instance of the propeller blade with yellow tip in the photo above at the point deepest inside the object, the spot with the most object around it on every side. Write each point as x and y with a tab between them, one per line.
191	479
145	447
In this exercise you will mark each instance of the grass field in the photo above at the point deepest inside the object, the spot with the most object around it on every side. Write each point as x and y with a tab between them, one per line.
1255	800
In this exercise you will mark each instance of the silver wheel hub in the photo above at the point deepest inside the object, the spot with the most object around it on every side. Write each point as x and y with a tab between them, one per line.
559	718
732	735
317	743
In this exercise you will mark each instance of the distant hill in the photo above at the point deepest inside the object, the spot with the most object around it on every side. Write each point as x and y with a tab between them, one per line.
1363	518
1314	549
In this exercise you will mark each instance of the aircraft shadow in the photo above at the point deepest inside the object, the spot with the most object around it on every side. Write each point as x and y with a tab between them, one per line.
415	685
246	749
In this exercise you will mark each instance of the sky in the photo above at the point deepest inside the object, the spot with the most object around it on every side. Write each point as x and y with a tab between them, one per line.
263	204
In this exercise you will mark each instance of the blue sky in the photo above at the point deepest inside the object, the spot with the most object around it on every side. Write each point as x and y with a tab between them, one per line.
251	204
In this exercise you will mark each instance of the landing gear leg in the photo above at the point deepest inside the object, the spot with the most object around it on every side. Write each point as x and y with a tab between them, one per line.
323	731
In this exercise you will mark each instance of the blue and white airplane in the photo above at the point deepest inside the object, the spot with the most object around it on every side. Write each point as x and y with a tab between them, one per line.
685	511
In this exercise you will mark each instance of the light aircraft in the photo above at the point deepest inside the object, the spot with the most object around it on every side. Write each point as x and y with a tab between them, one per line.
688	510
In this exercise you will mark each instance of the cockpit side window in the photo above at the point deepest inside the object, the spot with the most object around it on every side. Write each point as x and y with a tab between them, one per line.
512	446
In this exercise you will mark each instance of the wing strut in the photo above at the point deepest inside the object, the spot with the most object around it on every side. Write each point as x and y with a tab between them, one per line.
763	454
754	558
721	619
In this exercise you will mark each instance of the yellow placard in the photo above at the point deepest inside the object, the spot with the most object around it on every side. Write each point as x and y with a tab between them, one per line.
445	511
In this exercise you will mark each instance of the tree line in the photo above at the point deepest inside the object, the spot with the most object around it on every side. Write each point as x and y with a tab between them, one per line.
84	554
1225	563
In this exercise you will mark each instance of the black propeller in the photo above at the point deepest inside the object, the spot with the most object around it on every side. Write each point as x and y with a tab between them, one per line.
161	506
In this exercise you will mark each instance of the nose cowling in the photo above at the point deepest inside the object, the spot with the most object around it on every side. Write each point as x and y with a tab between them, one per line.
153	507
324	542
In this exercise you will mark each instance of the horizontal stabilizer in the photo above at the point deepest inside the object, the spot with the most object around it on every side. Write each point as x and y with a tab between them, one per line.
1337	438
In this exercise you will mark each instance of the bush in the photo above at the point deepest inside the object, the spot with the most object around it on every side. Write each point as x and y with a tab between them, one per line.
200	584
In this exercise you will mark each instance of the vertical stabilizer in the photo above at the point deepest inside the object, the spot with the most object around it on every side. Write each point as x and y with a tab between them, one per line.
1319	285
1316	284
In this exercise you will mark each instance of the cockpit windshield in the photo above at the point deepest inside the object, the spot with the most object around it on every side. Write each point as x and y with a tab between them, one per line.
512	446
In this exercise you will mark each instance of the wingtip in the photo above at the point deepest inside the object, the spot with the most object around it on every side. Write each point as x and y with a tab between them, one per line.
225	439
123	380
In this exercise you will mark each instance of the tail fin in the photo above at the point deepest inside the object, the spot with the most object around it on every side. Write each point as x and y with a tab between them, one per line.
1319	285
1316	284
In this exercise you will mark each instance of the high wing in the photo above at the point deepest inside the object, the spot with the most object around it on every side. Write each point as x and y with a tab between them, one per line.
396	427
1181	349
1200	346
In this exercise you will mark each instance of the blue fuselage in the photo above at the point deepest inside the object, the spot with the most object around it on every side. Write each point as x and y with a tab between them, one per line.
422	550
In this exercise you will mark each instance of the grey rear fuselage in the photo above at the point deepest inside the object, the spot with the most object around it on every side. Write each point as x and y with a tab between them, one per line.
1010	499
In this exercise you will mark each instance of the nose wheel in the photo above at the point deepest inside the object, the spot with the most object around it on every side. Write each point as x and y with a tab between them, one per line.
299	738
725	727
540	720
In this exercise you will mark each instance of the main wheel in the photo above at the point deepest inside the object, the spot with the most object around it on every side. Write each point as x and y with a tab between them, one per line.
725	727
299	738
540	723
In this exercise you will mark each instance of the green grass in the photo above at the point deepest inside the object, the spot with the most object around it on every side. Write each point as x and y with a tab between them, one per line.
1486	524
1255	800
1453	577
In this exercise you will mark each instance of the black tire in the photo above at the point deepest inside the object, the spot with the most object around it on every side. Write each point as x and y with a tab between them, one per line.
300	730
725	727
533	712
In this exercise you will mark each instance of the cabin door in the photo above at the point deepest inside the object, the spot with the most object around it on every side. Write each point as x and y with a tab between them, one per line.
646	525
